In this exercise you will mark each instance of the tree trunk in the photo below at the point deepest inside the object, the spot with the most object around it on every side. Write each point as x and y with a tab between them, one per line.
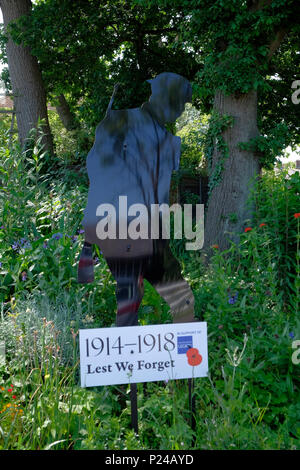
65	113
26	79
228	213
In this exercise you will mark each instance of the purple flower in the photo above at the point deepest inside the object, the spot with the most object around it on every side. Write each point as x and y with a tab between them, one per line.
25	243
24	276
74	238
2	227
0	264
57	236
45	245
96	260
291	335
233	298
81	231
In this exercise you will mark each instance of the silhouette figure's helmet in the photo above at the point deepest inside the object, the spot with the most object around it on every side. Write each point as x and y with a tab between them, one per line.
170	93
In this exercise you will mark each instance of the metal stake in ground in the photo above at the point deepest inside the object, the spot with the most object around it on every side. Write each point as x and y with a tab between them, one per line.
134	408
192	403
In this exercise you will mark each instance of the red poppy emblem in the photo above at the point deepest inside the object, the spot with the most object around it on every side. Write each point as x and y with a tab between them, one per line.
193	356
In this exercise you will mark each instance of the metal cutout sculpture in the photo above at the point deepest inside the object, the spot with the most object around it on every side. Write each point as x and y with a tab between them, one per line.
134	156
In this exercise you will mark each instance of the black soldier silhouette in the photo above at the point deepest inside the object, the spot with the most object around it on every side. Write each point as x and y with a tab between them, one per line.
132	160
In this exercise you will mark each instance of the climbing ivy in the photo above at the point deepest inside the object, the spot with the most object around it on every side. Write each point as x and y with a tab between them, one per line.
269	147
214	142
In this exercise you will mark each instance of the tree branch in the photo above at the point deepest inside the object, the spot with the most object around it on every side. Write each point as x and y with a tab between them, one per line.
256	5
274	45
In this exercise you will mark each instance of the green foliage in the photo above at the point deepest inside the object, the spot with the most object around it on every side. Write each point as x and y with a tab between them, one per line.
249	296
253	289
192	133
269	148
250	400
85	48
276	203
71	147
40	243
242	46
233	71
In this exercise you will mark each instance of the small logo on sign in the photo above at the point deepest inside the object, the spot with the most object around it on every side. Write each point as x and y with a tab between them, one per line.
184	343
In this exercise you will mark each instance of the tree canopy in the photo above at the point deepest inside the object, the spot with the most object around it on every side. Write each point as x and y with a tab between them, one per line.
244	45
84	48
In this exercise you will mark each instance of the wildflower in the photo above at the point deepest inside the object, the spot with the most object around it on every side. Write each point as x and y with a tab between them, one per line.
0	264
2	227
96	260
45	245
233	298
291	335
74	238
24	276
14	397
88	319
297	215
13	408
248	229
9	390
81	231
23	243
74	333
216	247
57	236
262	225
233	357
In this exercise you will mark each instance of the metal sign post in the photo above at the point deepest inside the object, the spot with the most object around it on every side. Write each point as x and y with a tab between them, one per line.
134	407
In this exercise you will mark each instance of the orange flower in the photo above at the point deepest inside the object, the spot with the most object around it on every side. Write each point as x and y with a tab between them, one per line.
262	225
216	247
248	229
297	215
194	358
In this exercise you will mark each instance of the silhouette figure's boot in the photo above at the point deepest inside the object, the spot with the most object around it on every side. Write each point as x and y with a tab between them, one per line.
85	273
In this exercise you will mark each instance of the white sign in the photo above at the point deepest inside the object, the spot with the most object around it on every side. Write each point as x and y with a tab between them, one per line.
133	354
